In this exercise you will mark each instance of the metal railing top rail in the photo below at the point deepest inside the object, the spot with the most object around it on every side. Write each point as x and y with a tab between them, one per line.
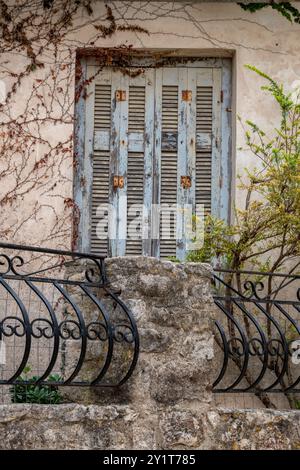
95	274
266	286
53	251
258	273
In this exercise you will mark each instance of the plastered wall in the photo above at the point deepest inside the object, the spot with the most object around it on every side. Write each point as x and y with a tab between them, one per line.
36	188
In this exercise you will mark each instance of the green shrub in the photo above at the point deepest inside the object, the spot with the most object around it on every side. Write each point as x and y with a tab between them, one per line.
265	233
35	393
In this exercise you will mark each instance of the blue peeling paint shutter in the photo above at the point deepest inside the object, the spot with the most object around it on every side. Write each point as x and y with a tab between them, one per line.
168	168
122	162
101	162
189	126
156	141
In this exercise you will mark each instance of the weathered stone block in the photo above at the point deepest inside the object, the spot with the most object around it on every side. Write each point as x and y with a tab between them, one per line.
174	311
180	429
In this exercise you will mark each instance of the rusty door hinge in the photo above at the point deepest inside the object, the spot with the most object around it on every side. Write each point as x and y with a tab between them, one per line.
186	95
222	96
186	182
120	95
118	182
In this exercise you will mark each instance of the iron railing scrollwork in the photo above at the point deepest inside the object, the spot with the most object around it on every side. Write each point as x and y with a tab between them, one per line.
257	331
59	314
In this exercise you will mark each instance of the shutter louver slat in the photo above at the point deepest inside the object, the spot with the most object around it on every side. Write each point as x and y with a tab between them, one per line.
169	167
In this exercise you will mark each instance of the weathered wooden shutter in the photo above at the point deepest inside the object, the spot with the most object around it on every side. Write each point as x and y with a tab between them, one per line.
208	140
139	164
168	166
177	156
152	133
203	155
190	148
122	161
135	169
101	161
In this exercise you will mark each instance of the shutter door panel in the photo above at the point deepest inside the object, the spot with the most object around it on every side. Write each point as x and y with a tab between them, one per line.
140	162
101	162
135	169
216	156
181	161
156	170
122	162
203	155
208	156
178	158
168	168
186	159
149	142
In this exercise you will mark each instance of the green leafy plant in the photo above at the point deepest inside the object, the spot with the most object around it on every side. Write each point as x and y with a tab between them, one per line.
286	9
265	234
35	393
297	404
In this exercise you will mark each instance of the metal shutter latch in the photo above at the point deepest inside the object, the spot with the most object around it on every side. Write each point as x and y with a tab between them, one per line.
186	95
118	182
186	182
120	95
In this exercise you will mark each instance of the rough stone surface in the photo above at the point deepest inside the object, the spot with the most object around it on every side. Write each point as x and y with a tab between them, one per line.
253	429
124	427
174	310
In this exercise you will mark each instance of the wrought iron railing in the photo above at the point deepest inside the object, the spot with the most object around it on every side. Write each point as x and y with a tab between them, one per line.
60	319
257	331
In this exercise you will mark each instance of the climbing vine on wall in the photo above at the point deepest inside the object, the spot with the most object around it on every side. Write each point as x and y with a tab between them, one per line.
38	58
